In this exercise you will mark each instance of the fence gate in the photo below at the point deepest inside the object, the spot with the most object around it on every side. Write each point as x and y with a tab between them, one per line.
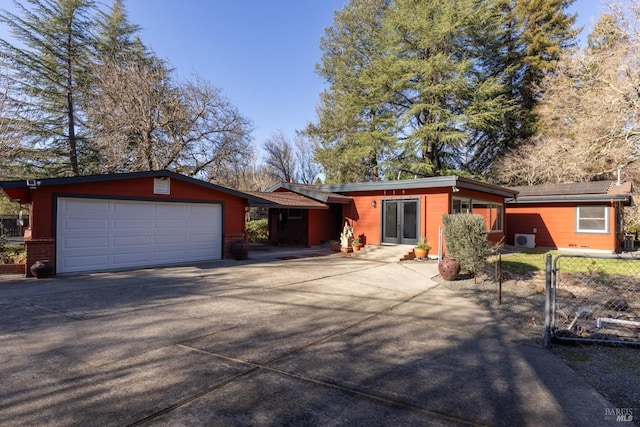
592	299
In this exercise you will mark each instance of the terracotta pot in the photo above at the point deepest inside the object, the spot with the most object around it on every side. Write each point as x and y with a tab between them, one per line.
356	248
449	268
41	269
420	253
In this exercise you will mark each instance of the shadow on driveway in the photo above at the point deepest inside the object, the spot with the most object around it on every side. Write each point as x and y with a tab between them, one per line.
314	341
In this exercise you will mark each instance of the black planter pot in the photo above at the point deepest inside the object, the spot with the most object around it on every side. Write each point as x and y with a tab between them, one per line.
41	269
240	250
449	268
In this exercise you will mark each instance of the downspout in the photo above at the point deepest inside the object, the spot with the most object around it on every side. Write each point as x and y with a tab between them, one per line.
617	235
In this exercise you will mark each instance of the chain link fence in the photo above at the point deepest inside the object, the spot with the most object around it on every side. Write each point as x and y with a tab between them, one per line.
592	299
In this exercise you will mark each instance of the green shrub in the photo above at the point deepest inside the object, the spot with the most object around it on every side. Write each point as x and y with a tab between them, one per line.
257	229
466	239
11	253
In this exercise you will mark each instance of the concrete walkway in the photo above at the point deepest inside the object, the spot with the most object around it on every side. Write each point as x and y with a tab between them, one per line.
324	340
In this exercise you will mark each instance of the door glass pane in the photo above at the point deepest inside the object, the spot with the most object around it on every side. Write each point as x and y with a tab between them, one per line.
410	217
391	220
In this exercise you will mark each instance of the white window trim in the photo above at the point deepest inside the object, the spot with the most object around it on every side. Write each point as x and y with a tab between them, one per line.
606	220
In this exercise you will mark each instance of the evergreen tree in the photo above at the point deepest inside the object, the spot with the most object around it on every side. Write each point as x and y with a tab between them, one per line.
50	64
545	32
429	86
352	134
409	88
117	39
449	103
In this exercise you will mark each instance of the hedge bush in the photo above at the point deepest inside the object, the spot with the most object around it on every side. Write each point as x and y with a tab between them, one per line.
257	229
466	240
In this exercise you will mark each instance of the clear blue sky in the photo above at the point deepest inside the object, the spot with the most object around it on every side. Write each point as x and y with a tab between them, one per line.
262	54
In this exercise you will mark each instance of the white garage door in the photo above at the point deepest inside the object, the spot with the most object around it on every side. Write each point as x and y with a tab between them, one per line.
96	234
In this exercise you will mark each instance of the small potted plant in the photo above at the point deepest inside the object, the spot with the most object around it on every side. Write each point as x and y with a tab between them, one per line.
356	244
421	250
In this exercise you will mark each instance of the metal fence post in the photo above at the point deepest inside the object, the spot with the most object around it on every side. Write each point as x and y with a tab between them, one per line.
548	313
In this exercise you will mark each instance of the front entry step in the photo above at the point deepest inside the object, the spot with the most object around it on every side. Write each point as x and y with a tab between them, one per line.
385	253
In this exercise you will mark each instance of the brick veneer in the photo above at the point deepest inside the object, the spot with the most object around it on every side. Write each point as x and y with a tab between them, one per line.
228	240
39	249
12	268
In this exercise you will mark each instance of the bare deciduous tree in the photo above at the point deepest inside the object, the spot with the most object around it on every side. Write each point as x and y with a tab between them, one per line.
291	161
589	117
308	169
143	120
280	158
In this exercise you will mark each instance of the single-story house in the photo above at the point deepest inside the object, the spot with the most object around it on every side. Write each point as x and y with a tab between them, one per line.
104	222
393	212
586	216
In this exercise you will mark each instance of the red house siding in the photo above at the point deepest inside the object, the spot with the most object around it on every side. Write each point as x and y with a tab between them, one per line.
555	225
323	225
41	245
434	203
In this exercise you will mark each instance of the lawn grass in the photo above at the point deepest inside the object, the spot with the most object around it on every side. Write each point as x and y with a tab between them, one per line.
533	261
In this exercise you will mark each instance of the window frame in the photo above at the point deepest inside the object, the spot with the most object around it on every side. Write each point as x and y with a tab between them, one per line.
494	208
579	217
294	213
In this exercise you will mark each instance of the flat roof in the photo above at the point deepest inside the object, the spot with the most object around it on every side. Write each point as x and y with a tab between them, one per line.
583	192
430	182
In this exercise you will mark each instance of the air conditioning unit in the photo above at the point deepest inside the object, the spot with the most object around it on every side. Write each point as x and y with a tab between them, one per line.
525	240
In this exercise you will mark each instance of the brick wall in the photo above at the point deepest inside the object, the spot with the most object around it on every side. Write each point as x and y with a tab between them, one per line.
40	249
228	240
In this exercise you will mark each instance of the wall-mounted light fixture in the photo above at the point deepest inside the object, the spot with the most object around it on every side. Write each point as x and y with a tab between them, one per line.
374	203
454	189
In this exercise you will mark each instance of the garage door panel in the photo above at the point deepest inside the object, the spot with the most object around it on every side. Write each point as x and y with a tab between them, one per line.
80	206
128	224
171	224
86	242
131	258
86	224
124	242
85	262
170	256
203	238
173	240
107	234
170	210
125	209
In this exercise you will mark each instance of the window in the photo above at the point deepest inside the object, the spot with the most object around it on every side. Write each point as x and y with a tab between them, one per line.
295	214
461	205
491	212
592	219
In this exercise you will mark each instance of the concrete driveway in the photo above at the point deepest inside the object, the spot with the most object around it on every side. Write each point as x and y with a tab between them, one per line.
314	341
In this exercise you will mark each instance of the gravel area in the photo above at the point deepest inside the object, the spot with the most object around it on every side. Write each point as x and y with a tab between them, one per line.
614	371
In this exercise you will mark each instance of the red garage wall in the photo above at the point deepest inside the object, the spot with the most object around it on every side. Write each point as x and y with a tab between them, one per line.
41	243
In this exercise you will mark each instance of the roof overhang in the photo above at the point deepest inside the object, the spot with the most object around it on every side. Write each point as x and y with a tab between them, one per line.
20	190
284	200
585	198
431	182
316	193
